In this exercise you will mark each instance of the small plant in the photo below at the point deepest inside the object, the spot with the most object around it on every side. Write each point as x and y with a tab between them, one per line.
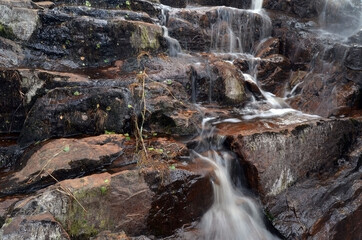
88	4
128	5
98	46
76	93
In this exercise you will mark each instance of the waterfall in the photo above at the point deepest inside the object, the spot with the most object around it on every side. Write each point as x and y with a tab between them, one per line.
342	17
174	47
236	30
233	215
257	5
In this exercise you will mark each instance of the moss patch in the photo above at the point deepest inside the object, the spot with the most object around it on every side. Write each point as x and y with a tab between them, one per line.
83	224
145	38
6	32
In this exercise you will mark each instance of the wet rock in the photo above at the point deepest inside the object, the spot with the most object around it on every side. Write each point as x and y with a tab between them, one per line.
232	3
315	96
9	155
177	3
5	208
81	37
303	9
12	111
72	111
353	60
184	193
42	227
273	72
19	17
196	28
324	206
108	235
275	159
11	54
127	201
267	48
218	81
62	159
190	36
168	110
356	38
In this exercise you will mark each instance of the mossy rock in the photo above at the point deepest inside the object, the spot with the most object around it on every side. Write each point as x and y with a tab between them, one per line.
6	32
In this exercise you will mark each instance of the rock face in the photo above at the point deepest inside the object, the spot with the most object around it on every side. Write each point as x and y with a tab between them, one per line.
72	111
124	201
308	193
111	75
275	160
62	159
324	206
42	226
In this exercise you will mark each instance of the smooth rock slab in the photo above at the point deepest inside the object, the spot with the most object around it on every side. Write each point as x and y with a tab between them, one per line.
62	159
276	158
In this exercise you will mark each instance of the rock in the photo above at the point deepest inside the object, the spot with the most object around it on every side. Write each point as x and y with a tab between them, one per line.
12	111
180	195
5	206
232	3
168	110
82	36
268	47
274	159
273	72
42	227
73	111
324	206
127	201
301	8
9	155
62	159
22	21
177	3
11	54
337	97
227	83
107	235
195	28
353	60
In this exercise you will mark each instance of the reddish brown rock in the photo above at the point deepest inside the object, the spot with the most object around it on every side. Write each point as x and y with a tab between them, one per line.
129	201
268	47
273	73
277	157
62	159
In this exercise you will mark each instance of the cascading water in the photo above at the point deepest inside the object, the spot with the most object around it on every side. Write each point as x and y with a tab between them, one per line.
257	5
342	17
236	30
174	47
233	216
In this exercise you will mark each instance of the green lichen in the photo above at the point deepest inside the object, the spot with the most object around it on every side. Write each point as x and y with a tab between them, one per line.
145	38
6	32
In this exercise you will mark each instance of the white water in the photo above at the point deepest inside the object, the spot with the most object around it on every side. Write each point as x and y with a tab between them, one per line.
233	216
257	5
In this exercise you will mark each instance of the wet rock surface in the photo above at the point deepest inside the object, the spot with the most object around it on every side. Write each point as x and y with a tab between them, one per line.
71	68
61	159
262	152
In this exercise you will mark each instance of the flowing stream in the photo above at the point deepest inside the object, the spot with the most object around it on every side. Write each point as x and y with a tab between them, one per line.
233	215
